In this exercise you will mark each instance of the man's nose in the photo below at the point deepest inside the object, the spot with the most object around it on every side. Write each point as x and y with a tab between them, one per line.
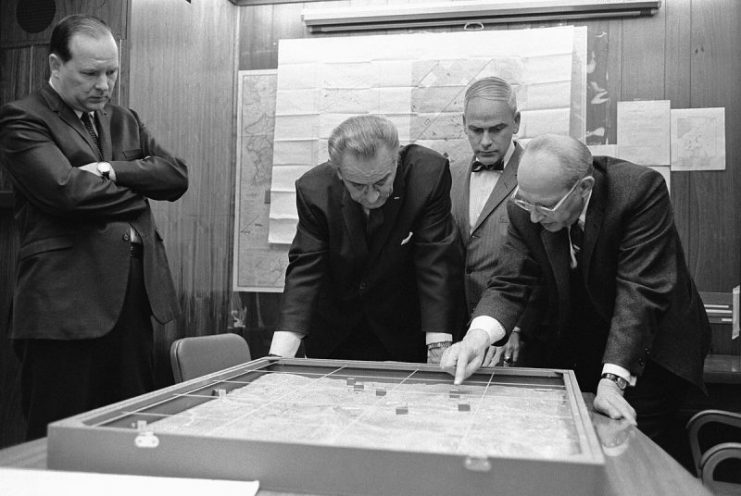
371	194
535	216
486	139
101	83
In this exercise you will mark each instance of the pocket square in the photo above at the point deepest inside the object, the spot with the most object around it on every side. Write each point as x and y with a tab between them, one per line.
406	240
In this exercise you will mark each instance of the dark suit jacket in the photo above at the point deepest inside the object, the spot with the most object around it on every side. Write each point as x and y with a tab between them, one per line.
74	226
634	272
407	282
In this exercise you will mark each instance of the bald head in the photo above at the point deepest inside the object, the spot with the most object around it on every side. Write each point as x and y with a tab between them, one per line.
553	160
555	172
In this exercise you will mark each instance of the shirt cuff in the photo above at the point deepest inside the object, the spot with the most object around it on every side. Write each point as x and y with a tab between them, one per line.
611	368
437	337
285	343
490	326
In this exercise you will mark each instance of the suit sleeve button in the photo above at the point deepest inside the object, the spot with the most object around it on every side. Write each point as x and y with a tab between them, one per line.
125	237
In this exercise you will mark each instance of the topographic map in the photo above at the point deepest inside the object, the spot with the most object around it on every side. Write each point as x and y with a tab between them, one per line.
258	266
376	413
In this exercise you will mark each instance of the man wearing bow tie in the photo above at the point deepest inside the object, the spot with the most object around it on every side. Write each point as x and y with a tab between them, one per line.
480	190
598	235
375	268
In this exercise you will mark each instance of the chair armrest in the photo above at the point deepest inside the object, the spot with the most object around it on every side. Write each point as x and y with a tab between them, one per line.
701	419
714	457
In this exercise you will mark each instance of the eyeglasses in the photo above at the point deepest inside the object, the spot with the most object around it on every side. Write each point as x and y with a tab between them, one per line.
526	205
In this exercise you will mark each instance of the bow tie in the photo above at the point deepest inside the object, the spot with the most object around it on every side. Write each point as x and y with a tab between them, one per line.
496	166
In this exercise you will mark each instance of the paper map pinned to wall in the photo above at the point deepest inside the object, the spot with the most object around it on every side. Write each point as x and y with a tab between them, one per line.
418	82
284	120
258	266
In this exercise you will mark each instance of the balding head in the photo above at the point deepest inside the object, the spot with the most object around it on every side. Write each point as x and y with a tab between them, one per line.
558	160
555	171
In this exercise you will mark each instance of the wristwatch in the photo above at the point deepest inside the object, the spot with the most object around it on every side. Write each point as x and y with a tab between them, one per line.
439	344
621	383
105	169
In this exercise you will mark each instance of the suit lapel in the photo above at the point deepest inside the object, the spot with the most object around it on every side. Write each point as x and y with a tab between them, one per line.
353	217
65	112
504	187
104	135
460	197
557	248
593	224
390	212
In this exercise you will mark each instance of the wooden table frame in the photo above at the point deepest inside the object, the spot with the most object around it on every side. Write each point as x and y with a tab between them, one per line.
634	464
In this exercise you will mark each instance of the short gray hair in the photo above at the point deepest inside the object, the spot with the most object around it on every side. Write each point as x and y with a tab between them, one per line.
573	155
362	136
491	88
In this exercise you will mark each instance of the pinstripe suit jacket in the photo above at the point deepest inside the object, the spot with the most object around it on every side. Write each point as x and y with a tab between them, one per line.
484	241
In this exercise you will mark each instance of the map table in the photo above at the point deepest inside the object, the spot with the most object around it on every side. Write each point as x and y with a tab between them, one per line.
339	427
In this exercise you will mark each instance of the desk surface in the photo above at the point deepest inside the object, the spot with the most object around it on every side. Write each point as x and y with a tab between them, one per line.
634	464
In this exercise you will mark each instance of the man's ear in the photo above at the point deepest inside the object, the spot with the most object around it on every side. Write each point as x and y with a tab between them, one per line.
55	63
587	184
516	119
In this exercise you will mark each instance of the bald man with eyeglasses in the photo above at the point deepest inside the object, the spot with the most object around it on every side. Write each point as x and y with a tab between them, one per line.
597	234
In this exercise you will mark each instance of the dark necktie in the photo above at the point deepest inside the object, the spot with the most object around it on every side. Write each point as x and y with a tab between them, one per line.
85	118
496	166
373	222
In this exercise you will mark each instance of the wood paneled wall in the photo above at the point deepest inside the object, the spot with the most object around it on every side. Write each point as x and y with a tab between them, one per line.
183	85
686	53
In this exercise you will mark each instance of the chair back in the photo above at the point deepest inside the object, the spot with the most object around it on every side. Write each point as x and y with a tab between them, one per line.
200	355
715	442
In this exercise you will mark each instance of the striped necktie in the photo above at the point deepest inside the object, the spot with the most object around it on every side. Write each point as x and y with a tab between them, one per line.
85	118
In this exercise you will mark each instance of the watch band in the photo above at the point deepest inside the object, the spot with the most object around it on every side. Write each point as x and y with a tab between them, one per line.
621	382
440	344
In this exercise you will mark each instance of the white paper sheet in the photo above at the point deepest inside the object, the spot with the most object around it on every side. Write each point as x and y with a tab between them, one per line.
698	140
27	482
643	131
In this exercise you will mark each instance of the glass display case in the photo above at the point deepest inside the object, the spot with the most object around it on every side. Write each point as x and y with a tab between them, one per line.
344	427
